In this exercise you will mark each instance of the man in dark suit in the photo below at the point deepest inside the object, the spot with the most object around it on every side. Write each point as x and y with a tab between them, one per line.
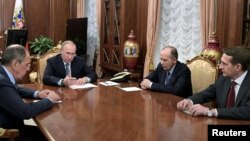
170	76
13	110
231	104
67	69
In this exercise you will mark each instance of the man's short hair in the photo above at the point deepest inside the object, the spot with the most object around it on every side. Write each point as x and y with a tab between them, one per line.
173	53
67	42
13	52
239	55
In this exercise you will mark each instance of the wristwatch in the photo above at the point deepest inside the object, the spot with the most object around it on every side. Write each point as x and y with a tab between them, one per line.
209	113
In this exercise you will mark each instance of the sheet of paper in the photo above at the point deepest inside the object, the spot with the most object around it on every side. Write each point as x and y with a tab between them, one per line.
109	83
59	101
130	89
30	122
84	86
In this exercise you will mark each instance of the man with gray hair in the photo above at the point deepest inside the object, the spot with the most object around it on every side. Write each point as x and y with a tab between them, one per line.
67	69
170	76
13	110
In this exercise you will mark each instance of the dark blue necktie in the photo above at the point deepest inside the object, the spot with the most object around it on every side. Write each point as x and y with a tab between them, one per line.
167	76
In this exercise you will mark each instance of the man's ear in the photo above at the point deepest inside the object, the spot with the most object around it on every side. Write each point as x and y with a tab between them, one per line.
238	66
14	63
175	60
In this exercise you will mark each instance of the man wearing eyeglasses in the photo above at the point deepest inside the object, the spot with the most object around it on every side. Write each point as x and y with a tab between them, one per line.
67	69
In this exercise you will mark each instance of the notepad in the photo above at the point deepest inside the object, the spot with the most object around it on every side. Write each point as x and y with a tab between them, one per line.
84	86
130	89
109	83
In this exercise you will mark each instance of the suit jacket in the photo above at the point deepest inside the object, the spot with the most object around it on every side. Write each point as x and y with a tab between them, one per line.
219	91
55	70
179	84
13	110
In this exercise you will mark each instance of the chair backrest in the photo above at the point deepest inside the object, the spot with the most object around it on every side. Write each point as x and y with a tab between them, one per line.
9	134
41	64
203	73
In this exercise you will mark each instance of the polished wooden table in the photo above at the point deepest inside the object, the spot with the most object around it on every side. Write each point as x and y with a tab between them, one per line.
110	114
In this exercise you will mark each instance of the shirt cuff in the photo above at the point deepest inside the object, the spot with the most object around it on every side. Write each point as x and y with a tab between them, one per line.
215	112
35	95
50	100
88	79
150	85
60	82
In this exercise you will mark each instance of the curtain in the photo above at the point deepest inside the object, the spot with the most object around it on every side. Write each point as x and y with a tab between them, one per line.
98	13
208	10
80	8
152	30
180	27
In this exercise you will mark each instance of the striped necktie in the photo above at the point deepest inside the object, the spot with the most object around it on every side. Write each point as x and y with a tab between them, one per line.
167	76
67	69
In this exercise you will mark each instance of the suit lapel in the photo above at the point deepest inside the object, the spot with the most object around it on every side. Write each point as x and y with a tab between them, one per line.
243	88
162	76
4	74
61	66
74	68
175	72
225	91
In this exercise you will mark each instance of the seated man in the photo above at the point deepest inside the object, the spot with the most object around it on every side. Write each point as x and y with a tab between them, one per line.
67	69
170	76
231	91
13	110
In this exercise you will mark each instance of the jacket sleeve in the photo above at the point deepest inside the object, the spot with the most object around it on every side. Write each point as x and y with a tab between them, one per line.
12	103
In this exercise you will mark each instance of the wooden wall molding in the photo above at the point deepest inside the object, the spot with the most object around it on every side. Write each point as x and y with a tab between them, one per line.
43	17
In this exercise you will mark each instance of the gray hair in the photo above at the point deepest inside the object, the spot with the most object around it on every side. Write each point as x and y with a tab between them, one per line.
68	42
13	52
173	53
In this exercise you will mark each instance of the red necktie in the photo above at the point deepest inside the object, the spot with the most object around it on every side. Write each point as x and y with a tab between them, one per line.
231	95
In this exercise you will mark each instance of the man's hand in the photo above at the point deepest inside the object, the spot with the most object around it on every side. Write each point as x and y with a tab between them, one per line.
198	110
184	105
67	81
83	80
146	84
44	93
53	97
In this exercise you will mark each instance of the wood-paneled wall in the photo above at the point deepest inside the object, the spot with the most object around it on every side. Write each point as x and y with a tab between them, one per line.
229	25
48	18
43	17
